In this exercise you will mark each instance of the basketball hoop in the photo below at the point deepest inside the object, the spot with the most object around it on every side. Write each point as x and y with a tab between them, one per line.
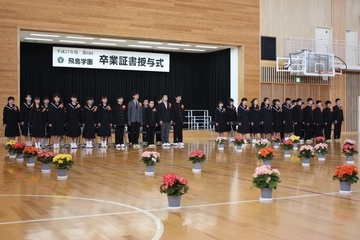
324	74
325	77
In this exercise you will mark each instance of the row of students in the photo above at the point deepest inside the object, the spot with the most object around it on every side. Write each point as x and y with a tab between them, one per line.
279	119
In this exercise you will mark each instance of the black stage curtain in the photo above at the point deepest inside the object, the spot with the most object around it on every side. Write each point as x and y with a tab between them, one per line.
201	79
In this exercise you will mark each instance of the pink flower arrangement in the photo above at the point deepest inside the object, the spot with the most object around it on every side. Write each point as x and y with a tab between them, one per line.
265	177
349	149
150	158
19	147
173	185
262	143
45	157
287	145
306	151
275	139
321	148
197	156
238	141
319	139
350	142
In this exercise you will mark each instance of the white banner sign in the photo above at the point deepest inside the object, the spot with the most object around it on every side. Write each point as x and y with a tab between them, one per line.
110	59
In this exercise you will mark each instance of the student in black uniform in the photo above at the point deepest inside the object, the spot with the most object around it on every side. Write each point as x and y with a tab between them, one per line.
144	129
57	120
298	117
73	119
119	121
45	142
232	118
287	118
151	122
11	119
220	119
277	117
243	118
308	120
179	119
266	119
158	129
327	117
89	121
254	117
318	119
165	120
104	121
25	117
37	121
338	118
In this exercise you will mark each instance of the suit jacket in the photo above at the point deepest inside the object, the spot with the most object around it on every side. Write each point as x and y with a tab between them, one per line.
165	114
338	114
318	116
327	116
134	113
297	114
178	113
308	115
119	114
151	117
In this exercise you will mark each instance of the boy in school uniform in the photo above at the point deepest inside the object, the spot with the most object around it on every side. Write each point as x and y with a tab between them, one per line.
11	120
308	119
151	122
119	121
327	116
338	118
144	128
134	118
165	120
298	117
318	119
25	118
158	128
179	119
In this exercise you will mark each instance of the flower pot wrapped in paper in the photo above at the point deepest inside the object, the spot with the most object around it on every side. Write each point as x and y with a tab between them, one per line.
287	145
197	157
321	149
10	148
349	149
30	153
238	142
306	152
262	143
63	162
174	187
276	140
265	155
18	150
319	139
150	159
220	142
46	159
347	175
266	179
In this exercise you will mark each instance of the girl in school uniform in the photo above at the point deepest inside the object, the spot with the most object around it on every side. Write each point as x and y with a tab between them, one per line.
277	117
221	121
37	122
73	119
232	118
11	119
254	117
25	117
47	129
266	119
104	120
57	120
88	120
243	118
287	118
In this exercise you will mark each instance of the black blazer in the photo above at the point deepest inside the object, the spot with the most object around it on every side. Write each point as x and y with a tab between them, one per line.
318	117
178	113
308	115
297	114
151	117
327	116
338	114
119	114
165	114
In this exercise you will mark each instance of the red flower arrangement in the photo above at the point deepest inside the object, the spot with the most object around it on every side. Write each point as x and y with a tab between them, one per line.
19	147
349	149
238	141
319	140
173	185
30	152
287	145
346	173
45	157
197	156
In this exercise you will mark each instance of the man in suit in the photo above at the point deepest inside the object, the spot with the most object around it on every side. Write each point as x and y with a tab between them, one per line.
165	120
338	118
134	118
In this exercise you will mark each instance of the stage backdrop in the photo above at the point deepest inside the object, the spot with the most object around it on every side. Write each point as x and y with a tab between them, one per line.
202	79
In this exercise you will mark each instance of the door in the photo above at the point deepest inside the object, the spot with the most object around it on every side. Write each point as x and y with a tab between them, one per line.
322	40
351	47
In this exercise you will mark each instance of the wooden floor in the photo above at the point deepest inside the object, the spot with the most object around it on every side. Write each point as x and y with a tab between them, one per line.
107	196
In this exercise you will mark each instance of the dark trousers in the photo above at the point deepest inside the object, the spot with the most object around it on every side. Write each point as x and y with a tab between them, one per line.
158	133
134	132
150	135
318	130
308	132
337	130
144	133
119	134
178	133
298	130
327	131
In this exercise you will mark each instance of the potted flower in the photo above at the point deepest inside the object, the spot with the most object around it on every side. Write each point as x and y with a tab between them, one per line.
306	152
319	139
30	153
10	148
63	163
349	150
350	142
276	140
18	150
321	149
287	145
261	143
174	187
347	175
45	158
266	154
221	141
295	139
150	159
197	157
238	142
266	179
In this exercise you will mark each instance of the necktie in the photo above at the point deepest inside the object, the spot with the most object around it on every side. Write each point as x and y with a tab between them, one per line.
136	104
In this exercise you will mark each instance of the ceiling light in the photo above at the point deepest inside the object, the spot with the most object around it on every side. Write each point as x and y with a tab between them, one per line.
140	46
100	43
44	35
173	48
195	50
201	46
178	44
69	41
112	40
155	43
39	39
85	38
